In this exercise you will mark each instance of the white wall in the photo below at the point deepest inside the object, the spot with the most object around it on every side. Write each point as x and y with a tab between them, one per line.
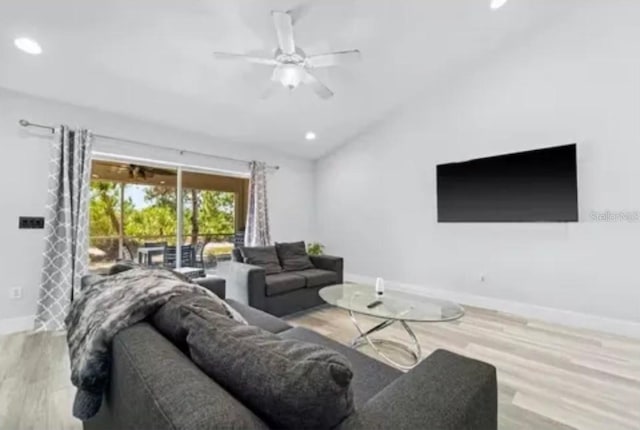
577	82
23	183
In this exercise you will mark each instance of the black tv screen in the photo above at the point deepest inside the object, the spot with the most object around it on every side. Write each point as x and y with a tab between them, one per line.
532	186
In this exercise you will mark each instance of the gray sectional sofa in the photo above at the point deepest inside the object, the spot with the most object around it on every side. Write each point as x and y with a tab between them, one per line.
280	293
155	385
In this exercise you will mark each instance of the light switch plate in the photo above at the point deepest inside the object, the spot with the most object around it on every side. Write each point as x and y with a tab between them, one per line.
31	222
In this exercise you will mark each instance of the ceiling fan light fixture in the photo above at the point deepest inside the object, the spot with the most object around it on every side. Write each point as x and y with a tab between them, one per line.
290	75
497	4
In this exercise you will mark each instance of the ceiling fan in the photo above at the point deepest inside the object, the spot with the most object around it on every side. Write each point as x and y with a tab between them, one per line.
292	65
141	172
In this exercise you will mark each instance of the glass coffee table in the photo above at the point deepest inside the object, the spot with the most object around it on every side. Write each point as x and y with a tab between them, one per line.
395	307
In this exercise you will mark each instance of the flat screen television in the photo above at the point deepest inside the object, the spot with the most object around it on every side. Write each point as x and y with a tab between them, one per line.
531	186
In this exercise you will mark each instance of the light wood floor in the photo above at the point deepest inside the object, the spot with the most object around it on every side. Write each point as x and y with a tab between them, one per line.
550	377
35	387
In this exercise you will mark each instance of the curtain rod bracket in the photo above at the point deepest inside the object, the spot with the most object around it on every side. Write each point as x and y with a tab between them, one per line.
25	123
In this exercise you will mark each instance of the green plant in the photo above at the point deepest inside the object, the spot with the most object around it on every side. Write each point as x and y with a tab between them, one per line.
315	248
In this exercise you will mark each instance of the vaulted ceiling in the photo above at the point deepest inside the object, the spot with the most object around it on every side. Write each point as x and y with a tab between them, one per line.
152	59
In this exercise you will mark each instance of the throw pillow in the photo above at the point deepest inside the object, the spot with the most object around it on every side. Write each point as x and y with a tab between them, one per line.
263	256
171	319
289	383
293	256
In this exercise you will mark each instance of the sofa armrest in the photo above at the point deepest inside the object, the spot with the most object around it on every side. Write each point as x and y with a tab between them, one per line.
245	283
446	391
214	284
328	262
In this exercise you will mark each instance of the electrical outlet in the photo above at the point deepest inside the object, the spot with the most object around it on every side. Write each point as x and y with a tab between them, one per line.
16	293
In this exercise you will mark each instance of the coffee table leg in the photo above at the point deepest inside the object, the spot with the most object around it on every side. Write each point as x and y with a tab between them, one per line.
414	350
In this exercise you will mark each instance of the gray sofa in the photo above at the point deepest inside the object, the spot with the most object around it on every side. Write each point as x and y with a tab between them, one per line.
156	386
282	293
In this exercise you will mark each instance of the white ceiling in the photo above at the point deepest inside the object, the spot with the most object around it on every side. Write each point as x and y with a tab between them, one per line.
151	59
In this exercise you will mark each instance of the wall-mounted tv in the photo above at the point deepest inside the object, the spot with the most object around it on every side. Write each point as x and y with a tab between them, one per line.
531	186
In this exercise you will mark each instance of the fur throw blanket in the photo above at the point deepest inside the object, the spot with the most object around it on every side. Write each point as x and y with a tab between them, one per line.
105	307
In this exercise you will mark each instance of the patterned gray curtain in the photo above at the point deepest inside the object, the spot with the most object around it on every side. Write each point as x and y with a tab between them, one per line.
67	223
257	232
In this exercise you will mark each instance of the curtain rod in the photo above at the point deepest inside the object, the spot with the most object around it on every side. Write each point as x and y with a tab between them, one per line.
25	123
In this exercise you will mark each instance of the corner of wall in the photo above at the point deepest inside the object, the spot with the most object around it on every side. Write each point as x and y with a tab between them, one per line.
14	325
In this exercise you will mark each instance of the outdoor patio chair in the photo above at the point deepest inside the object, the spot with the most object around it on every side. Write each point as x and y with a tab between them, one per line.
187	254
199	254
150	255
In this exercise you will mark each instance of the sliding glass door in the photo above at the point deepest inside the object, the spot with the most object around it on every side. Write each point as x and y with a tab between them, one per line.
134	215
131	206
214	211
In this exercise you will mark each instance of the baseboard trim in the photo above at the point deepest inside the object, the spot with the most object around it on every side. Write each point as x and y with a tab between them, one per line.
552	315
14	325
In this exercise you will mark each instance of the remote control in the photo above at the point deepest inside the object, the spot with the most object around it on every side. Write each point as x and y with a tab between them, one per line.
374	304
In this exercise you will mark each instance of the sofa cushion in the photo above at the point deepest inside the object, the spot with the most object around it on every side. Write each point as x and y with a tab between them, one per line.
293	256
258	318
318	277
370	376
263	256
171	319
283	282
289	383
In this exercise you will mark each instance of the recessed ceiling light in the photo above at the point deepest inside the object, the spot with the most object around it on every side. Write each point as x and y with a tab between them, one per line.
497	4
27	45
310	135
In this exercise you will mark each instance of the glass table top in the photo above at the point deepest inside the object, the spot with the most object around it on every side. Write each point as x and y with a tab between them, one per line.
395	305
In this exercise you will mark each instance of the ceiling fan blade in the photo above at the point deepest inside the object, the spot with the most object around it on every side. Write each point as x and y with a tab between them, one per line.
334	58
318	87
248	58
299	12
284	30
